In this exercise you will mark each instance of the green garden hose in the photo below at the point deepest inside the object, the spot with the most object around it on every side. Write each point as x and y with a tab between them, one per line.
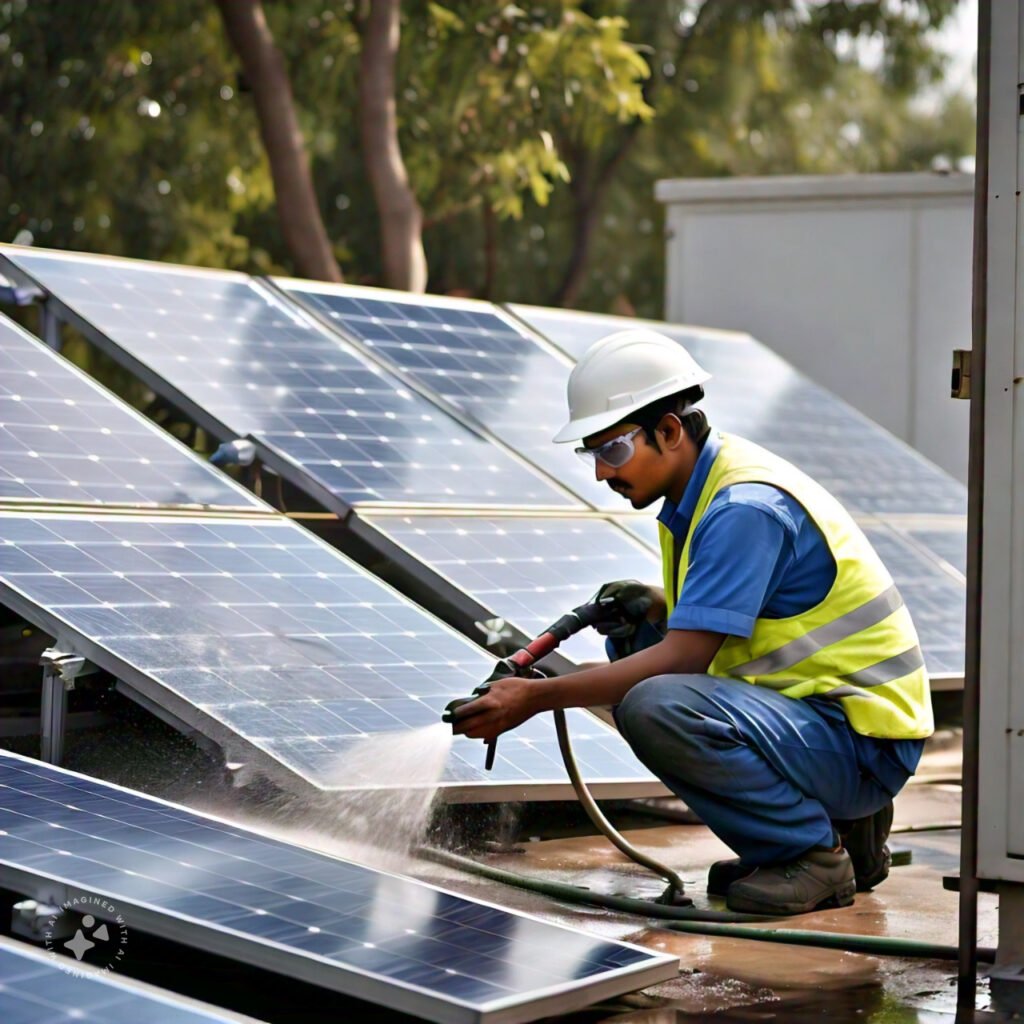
718	923
577	894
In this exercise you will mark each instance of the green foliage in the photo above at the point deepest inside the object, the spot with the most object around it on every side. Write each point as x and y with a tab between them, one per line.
126	128
486	88
124	133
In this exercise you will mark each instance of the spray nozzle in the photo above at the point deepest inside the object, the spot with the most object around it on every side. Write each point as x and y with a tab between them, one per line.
453	705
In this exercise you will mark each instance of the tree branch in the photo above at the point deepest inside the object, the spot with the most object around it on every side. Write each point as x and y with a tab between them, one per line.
589	192
302	227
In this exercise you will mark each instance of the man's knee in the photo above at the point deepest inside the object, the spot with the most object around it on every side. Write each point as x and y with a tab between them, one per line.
644	714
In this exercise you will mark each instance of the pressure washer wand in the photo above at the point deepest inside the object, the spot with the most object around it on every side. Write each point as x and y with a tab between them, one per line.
600	609
522	661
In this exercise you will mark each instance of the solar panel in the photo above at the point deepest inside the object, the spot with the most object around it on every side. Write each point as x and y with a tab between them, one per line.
574	331
239	361
643	527
302	914
474	356
527	570
280	649
933	591
64	438
947	541
35	990
756	394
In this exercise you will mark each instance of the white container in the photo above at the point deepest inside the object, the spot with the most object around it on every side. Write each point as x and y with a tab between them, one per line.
861	281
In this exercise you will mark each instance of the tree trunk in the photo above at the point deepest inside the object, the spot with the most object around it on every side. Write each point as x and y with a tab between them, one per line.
401	220
589	195
301	224
490	223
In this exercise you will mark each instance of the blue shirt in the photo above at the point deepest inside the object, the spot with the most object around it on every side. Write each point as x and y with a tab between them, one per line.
756	553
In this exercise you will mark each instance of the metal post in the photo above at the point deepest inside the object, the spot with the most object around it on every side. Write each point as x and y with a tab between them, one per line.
968	902
49	324
60	670
53	715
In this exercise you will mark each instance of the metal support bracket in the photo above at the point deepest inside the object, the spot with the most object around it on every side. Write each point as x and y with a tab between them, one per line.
49	326
60	670
960	381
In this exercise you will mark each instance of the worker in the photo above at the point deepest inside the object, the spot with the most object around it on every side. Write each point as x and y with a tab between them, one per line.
774	682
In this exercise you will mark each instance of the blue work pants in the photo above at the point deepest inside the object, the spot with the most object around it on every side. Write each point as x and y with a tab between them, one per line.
767	774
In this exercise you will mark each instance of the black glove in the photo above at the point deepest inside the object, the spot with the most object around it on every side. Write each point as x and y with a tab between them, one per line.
632	600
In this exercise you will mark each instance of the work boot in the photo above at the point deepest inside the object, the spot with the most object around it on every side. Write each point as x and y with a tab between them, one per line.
864	839
723	873
818	878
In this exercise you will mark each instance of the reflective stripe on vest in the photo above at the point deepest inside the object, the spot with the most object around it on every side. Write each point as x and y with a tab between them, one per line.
858	646
804	646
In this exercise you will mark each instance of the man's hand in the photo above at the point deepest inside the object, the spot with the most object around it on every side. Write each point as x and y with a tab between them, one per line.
635	603
507	704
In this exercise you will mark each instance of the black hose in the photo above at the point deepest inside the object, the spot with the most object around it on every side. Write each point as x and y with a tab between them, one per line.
938	826
675	883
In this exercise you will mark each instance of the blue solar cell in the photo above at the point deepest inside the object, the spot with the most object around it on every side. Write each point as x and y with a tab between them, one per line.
244	363
756	394
527	570
338	924
35	990
947	541
934	593
574	332
474	356
262	630
63	438
643	527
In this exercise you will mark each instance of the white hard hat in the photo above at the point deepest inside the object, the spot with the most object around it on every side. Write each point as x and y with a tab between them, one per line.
624	372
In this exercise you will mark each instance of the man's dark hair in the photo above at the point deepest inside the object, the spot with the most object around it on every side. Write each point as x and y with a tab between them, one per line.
694	422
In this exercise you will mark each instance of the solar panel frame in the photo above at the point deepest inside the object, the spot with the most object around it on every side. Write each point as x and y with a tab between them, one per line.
165	449
636	967
350	696
561	499
97	997
524	434
540	319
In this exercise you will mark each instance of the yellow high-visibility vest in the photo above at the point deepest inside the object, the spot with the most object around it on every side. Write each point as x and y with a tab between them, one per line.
858	646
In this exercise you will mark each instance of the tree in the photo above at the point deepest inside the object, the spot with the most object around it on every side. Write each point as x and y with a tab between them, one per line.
125	130
267	76
401	219
484	95
676	35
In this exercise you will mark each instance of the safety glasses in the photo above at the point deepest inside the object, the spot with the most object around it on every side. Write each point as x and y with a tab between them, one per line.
615	453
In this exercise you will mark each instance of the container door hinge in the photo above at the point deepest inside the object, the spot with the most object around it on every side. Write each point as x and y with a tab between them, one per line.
961	379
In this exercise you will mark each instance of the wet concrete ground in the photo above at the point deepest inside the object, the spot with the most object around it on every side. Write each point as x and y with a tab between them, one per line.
729	979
